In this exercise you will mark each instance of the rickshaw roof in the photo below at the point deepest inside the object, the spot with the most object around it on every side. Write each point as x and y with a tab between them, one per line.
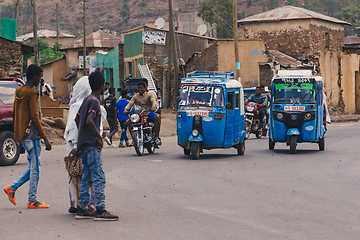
211	77
297	74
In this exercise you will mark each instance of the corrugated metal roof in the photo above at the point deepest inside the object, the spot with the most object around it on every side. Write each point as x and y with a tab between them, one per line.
352	40
43	33
283	59
289	13
99	39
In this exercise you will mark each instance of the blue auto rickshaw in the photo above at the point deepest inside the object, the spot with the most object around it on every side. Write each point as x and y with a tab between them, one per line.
296	110
210	113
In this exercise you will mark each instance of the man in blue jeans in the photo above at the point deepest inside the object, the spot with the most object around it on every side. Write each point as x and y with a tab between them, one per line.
28	131
120	106
90	144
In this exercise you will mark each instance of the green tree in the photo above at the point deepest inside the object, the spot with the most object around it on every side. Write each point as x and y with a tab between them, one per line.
125	13
219	13
48	53
350	14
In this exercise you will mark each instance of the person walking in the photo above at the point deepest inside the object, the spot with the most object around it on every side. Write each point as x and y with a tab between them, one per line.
80	91
90	145
28	131
109	104
122	118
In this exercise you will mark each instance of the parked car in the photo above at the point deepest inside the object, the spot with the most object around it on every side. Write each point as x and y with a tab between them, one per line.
9	149
130	84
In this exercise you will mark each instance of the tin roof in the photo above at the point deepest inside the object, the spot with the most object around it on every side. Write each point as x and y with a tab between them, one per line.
352	40
43	33
99	39
289	13
283	59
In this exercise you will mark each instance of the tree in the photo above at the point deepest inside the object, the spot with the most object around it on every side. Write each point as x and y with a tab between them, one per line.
350	14
219	13
47	53
125	13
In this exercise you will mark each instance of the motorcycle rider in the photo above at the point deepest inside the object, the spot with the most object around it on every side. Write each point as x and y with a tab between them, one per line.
268	97
146	100
261	100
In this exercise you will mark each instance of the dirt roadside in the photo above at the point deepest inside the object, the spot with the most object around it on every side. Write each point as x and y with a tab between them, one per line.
168	125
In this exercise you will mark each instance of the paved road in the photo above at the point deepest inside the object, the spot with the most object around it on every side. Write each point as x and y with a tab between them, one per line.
261	195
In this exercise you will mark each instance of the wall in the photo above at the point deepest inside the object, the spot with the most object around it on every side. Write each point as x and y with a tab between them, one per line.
53	75
251	53
10	59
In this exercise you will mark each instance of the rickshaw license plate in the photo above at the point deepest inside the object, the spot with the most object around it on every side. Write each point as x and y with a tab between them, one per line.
197	113
294	108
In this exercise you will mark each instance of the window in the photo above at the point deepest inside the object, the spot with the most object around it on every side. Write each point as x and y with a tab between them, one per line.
202	95
237	100
230	101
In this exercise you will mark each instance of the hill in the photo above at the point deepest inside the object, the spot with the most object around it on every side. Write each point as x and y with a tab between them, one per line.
121	15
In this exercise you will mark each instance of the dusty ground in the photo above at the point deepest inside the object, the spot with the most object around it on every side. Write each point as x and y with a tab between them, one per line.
168	125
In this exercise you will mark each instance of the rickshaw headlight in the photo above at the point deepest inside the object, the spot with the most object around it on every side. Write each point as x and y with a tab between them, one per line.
307	115
134	118
250	109
279	115
195	133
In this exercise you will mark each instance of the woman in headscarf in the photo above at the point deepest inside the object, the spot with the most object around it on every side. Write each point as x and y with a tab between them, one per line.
80	91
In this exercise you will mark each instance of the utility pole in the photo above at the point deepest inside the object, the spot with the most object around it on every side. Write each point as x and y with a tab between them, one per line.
84	51
17	9
236	47
57	23
35	28
172	54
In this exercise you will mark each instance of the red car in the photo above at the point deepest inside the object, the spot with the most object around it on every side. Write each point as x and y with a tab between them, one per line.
9	149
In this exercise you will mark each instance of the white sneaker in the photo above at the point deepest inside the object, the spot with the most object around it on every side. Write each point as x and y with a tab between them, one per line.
112	146
107	140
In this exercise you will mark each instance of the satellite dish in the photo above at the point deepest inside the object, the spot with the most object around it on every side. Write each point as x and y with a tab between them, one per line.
201	30
159	23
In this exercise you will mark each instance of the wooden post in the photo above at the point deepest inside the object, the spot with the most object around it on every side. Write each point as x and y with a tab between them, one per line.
84	50
57	23
237	60
172	49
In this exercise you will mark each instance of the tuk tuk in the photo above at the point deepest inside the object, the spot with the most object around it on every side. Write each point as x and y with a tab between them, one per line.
210	113
296	109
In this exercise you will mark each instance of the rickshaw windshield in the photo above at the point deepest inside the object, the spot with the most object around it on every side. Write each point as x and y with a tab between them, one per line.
211	96
294	93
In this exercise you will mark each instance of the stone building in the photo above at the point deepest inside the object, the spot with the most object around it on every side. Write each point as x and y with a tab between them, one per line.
294	31
11	57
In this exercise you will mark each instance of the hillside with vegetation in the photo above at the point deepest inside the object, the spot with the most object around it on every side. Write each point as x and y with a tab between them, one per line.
120	15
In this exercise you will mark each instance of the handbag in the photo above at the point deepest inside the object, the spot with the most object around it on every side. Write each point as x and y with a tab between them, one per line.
73	164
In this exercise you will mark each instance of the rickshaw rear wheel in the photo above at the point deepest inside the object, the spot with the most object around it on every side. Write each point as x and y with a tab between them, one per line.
241	148
322	144
195	150
293	140
271	144
186	151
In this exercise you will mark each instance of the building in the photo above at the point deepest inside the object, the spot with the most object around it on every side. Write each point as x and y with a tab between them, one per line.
47	36
54	74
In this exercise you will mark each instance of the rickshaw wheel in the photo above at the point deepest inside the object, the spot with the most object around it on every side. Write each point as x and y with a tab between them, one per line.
195	150
138	144
241	148
271	144
247	129
259	134
322	144
186	151
293	144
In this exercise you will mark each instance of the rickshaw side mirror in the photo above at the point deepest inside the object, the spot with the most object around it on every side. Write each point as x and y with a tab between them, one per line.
178	99
318	87
228	105
270	88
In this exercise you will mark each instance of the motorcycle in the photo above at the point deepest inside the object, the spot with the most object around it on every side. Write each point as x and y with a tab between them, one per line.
142	131
252	120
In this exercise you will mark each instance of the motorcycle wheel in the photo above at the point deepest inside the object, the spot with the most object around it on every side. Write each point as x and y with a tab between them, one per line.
293	140
247	129
241	148
138	143
151	149
195	150
322	144
259	133
271	144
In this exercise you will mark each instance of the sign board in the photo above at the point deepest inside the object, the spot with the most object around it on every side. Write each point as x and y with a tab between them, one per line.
90	62
157	38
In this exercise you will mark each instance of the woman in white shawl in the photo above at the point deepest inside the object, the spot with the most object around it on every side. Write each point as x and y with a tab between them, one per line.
80	91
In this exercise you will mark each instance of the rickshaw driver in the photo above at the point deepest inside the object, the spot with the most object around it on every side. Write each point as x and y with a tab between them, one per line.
145	100
260	99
